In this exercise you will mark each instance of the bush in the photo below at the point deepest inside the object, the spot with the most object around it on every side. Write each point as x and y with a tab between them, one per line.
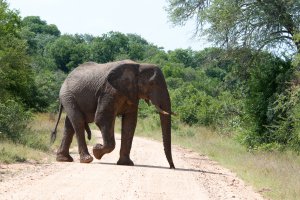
285	130
48	84
272	106
13	120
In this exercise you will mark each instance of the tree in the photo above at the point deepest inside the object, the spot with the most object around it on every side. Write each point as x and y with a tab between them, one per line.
242	23
48	85
184	56
38	34
108	47
68	51
16	76
9	20
271	109
38	26
246	28
136	47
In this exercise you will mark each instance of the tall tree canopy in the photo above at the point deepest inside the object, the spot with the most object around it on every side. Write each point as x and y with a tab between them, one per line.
38	33
15	73
38	26
248	23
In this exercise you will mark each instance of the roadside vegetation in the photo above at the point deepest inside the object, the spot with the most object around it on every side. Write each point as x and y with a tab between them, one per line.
237	102
274	174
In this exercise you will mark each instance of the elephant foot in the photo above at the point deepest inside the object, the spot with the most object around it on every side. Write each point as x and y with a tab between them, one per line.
125	161
98	151
64	158
86	158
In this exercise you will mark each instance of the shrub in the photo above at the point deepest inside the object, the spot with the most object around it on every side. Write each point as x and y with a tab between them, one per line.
13	120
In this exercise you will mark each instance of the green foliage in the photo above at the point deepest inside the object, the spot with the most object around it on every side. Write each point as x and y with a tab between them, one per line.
10	20
106	48
48	84
38	33
13	120
267	79
193	105
68	52
234	91
17	83
246	23
15	71
285	128
115	46
272	106
184	56
16	75
38	26
156	55
137	47
197	96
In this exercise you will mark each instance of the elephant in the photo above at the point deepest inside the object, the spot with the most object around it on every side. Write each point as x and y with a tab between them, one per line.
99	93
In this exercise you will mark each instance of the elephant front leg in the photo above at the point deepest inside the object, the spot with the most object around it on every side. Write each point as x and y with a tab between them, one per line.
106	125
129	121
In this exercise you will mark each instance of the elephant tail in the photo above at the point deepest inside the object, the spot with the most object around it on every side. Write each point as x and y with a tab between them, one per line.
53	134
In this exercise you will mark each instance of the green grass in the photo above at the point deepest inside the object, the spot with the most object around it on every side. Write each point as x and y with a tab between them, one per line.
34	144
275	175
11	153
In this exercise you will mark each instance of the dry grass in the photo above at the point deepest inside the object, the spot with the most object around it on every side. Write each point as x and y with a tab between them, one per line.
44	123
36	142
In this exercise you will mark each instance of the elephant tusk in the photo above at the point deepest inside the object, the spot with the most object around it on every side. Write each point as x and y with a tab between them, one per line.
161	110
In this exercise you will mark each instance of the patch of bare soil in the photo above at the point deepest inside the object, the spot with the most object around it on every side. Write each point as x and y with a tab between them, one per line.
195	177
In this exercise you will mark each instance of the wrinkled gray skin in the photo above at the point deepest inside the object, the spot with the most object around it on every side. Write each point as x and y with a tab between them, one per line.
98	93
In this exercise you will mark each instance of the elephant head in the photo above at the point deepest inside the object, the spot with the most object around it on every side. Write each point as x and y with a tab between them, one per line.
146	81
152	88
124	78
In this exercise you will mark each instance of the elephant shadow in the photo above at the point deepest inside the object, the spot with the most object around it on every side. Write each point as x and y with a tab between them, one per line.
167	168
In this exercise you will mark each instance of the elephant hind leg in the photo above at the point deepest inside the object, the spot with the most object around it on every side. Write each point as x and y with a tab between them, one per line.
78	123
63	154
79	127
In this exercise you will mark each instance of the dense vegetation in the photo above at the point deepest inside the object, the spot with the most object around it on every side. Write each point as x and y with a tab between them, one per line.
239	90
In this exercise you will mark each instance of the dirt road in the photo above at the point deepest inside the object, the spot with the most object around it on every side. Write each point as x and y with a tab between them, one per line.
195	177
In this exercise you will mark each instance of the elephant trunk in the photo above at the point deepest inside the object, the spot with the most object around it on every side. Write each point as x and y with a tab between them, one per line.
166	133
162	101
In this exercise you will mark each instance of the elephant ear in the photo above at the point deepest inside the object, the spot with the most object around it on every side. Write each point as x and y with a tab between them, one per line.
124	78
